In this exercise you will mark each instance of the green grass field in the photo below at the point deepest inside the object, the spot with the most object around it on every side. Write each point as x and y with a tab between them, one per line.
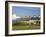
25	25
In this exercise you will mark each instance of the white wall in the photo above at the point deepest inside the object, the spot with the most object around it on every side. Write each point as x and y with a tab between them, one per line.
2	17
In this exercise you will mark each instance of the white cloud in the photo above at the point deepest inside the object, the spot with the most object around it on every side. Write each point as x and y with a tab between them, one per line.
14	16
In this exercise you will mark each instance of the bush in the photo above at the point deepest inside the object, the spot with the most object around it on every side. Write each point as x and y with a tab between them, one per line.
32	23
37	23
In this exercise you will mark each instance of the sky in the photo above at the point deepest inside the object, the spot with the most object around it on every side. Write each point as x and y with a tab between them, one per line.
25	11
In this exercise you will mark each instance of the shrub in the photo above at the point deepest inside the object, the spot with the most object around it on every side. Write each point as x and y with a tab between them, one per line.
32	23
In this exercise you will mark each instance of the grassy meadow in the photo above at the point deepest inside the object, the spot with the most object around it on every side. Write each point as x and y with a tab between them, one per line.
26	25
